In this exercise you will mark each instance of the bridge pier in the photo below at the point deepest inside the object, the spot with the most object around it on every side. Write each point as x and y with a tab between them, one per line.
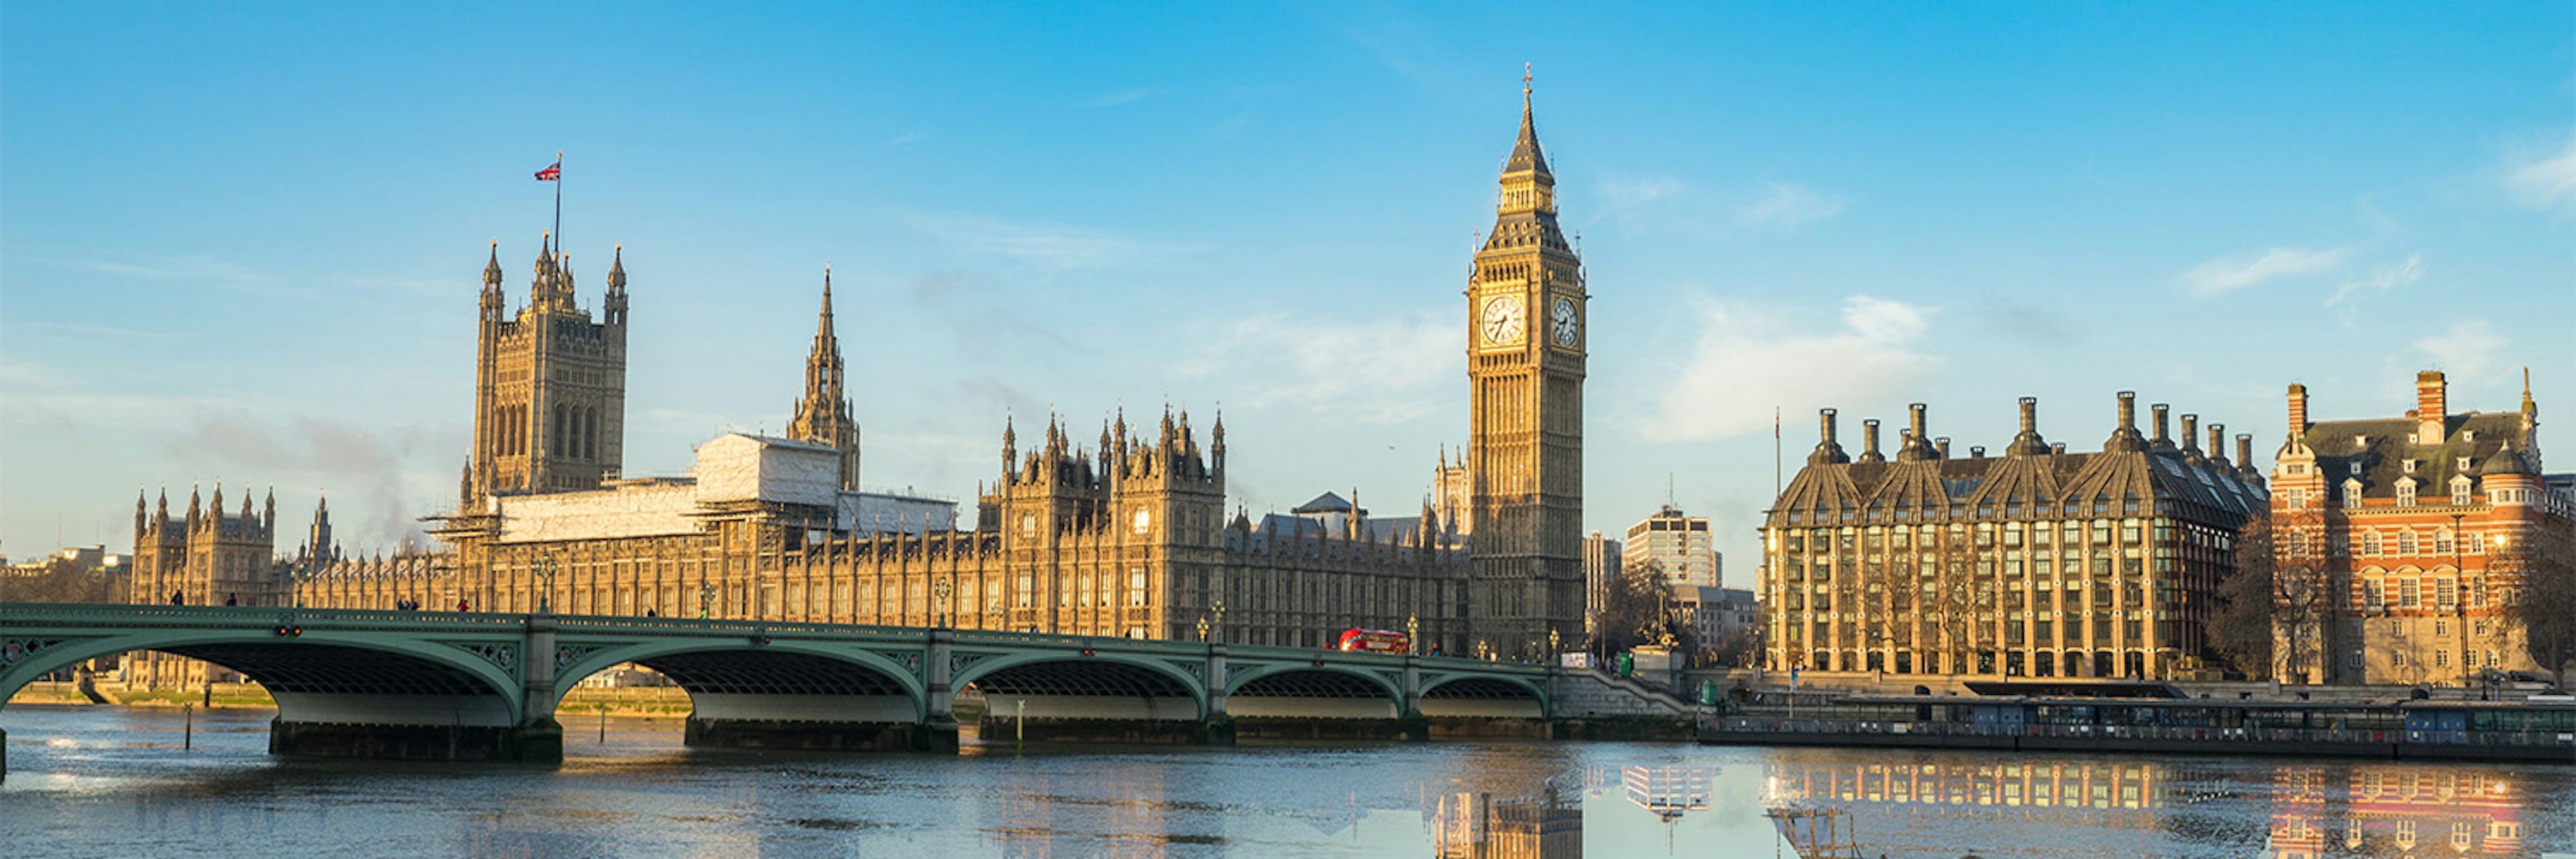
539	737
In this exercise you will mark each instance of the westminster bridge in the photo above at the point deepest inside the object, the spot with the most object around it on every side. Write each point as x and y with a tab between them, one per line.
454	685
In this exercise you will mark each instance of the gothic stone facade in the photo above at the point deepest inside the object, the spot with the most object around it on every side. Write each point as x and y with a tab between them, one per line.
1127	538
206	557
2413	529
2036	563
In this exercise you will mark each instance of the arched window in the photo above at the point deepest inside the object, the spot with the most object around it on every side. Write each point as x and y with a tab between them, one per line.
2405	543
555	440
590	433
2370	543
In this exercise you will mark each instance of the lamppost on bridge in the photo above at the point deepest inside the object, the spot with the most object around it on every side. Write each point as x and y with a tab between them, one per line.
706	597
1412	633
939	591
546	583
1203	623
1220	621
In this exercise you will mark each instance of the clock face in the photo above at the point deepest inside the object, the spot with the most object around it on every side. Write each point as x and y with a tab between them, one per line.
1501	322
1567	325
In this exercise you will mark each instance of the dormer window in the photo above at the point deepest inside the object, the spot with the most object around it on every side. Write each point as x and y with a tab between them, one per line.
2406	492
2464	463
2410	466
2360	441
2351	494
2460	490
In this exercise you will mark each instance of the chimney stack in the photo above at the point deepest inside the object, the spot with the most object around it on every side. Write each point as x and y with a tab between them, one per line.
2298	410
1825	427
1915	422
2030	414
2129	410
1869	435
2163	439
1942	445
2430	408
2218	441
2191	433
1977	452
2245	449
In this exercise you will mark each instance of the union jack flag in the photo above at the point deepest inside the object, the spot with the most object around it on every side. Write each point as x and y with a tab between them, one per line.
552	173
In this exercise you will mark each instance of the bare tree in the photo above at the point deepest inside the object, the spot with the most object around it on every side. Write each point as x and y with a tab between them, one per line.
2539	564
60	581
1636	608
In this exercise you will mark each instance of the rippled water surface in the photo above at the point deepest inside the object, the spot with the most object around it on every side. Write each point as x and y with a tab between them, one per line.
116	782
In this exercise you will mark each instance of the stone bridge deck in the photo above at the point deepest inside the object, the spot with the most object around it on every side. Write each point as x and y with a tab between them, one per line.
479	685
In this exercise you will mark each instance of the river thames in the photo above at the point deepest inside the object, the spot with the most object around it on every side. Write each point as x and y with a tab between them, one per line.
110	781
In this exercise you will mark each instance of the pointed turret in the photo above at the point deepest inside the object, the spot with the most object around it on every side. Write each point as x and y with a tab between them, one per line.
615	306
492	275
138	517
195	507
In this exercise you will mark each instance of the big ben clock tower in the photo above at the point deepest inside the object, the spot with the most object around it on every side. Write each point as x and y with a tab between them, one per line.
1525	350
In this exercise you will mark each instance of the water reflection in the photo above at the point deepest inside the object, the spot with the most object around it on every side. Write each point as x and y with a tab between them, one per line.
1483	826
2315	809
117	782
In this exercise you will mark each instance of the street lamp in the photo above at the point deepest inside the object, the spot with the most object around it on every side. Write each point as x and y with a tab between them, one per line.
706	597
546	580
1220	621
939	591
2460	599
1412	633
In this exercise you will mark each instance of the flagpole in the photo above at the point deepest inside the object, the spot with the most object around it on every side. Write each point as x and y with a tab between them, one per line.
559	204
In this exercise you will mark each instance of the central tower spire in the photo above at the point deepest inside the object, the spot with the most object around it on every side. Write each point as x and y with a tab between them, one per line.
823	416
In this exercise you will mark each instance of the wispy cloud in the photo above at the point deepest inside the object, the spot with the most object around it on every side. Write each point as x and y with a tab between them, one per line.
1369	372
1746	364
1051	246
2548	181
914	137
1789	204
1124	96
2467	350
2383	280
2238	271
1619	192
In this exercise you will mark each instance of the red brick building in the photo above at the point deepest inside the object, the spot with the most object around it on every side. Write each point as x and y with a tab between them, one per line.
2395	541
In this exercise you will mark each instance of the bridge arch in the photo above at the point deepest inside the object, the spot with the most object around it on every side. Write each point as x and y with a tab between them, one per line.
1489	695
781	680
323	676
1308	691
1098	685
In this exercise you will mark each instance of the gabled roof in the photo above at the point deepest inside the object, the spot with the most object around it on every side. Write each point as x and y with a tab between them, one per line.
1325	503
2376	451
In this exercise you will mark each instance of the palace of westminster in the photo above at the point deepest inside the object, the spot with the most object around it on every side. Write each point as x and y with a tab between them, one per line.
1128	537
2038	562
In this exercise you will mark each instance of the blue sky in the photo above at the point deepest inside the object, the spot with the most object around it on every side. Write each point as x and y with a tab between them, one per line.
242	242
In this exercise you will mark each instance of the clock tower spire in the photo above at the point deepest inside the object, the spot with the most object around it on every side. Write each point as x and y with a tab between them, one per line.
1525	368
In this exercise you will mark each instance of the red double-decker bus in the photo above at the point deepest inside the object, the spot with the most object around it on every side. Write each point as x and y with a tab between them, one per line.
1373	641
